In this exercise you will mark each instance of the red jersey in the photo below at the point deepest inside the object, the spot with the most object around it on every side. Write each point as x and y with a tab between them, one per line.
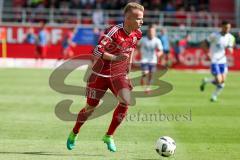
115	41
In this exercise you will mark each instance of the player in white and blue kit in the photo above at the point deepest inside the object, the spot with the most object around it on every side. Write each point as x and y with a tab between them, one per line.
150	49
218	42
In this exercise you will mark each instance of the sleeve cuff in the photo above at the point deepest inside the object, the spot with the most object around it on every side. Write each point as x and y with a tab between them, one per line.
97	53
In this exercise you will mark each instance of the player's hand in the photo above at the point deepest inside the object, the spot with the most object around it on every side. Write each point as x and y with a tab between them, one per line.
121	57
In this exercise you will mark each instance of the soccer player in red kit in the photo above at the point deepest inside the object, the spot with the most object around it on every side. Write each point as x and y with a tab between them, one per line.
112	60
42	42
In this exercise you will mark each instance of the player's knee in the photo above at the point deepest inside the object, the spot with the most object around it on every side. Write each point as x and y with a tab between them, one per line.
219	81
123	104
125	100
124	96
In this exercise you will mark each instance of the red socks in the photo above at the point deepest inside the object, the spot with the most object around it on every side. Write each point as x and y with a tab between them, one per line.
118	115
82	117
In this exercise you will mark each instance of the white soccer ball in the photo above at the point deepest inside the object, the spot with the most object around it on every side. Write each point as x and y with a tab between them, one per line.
165	146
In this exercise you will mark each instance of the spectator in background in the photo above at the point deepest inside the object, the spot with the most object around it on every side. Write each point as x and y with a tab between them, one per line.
155	8
193	15
75	4
35	3
66	16
179	2
110	4
97	33
155	5
176	52
182	44
238	40
30	36
68	44
39	12
42	42
192	9
52	4
121	4
181	16
100	4
165	58
98	17
87	4
146	4
19	3
170	7
203	17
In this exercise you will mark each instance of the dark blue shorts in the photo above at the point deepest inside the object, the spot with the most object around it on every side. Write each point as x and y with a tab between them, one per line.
217	69
151	67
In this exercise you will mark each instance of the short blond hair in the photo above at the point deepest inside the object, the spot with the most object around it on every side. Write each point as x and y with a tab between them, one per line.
132	5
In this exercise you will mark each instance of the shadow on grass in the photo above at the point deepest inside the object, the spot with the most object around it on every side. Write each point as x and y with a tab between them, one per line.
53	154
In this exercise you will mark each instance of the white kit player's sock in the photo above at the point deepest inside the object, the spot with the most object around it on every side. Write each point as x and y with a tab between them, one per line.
209	80
218	90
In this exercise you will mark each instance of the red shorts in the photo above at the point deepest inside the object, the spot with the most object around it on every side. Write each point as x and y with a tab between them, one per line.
68	51
42	50
97	86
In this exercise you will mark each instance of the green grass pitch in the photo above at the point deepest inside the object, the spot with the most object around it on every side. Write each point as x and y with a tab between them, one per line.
29	128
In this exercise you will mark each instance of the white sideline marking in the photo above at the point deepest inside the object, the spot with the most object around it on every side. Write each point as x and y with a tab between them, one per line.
33	63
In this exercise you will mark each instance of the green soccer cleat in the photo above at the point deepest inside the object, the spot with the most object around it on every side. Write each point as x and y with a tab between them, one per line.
202	86
71	141
110	143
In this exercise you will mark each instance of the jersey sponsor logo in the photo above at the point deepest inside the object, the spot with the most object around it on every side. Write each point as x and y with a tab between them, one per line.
120	46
